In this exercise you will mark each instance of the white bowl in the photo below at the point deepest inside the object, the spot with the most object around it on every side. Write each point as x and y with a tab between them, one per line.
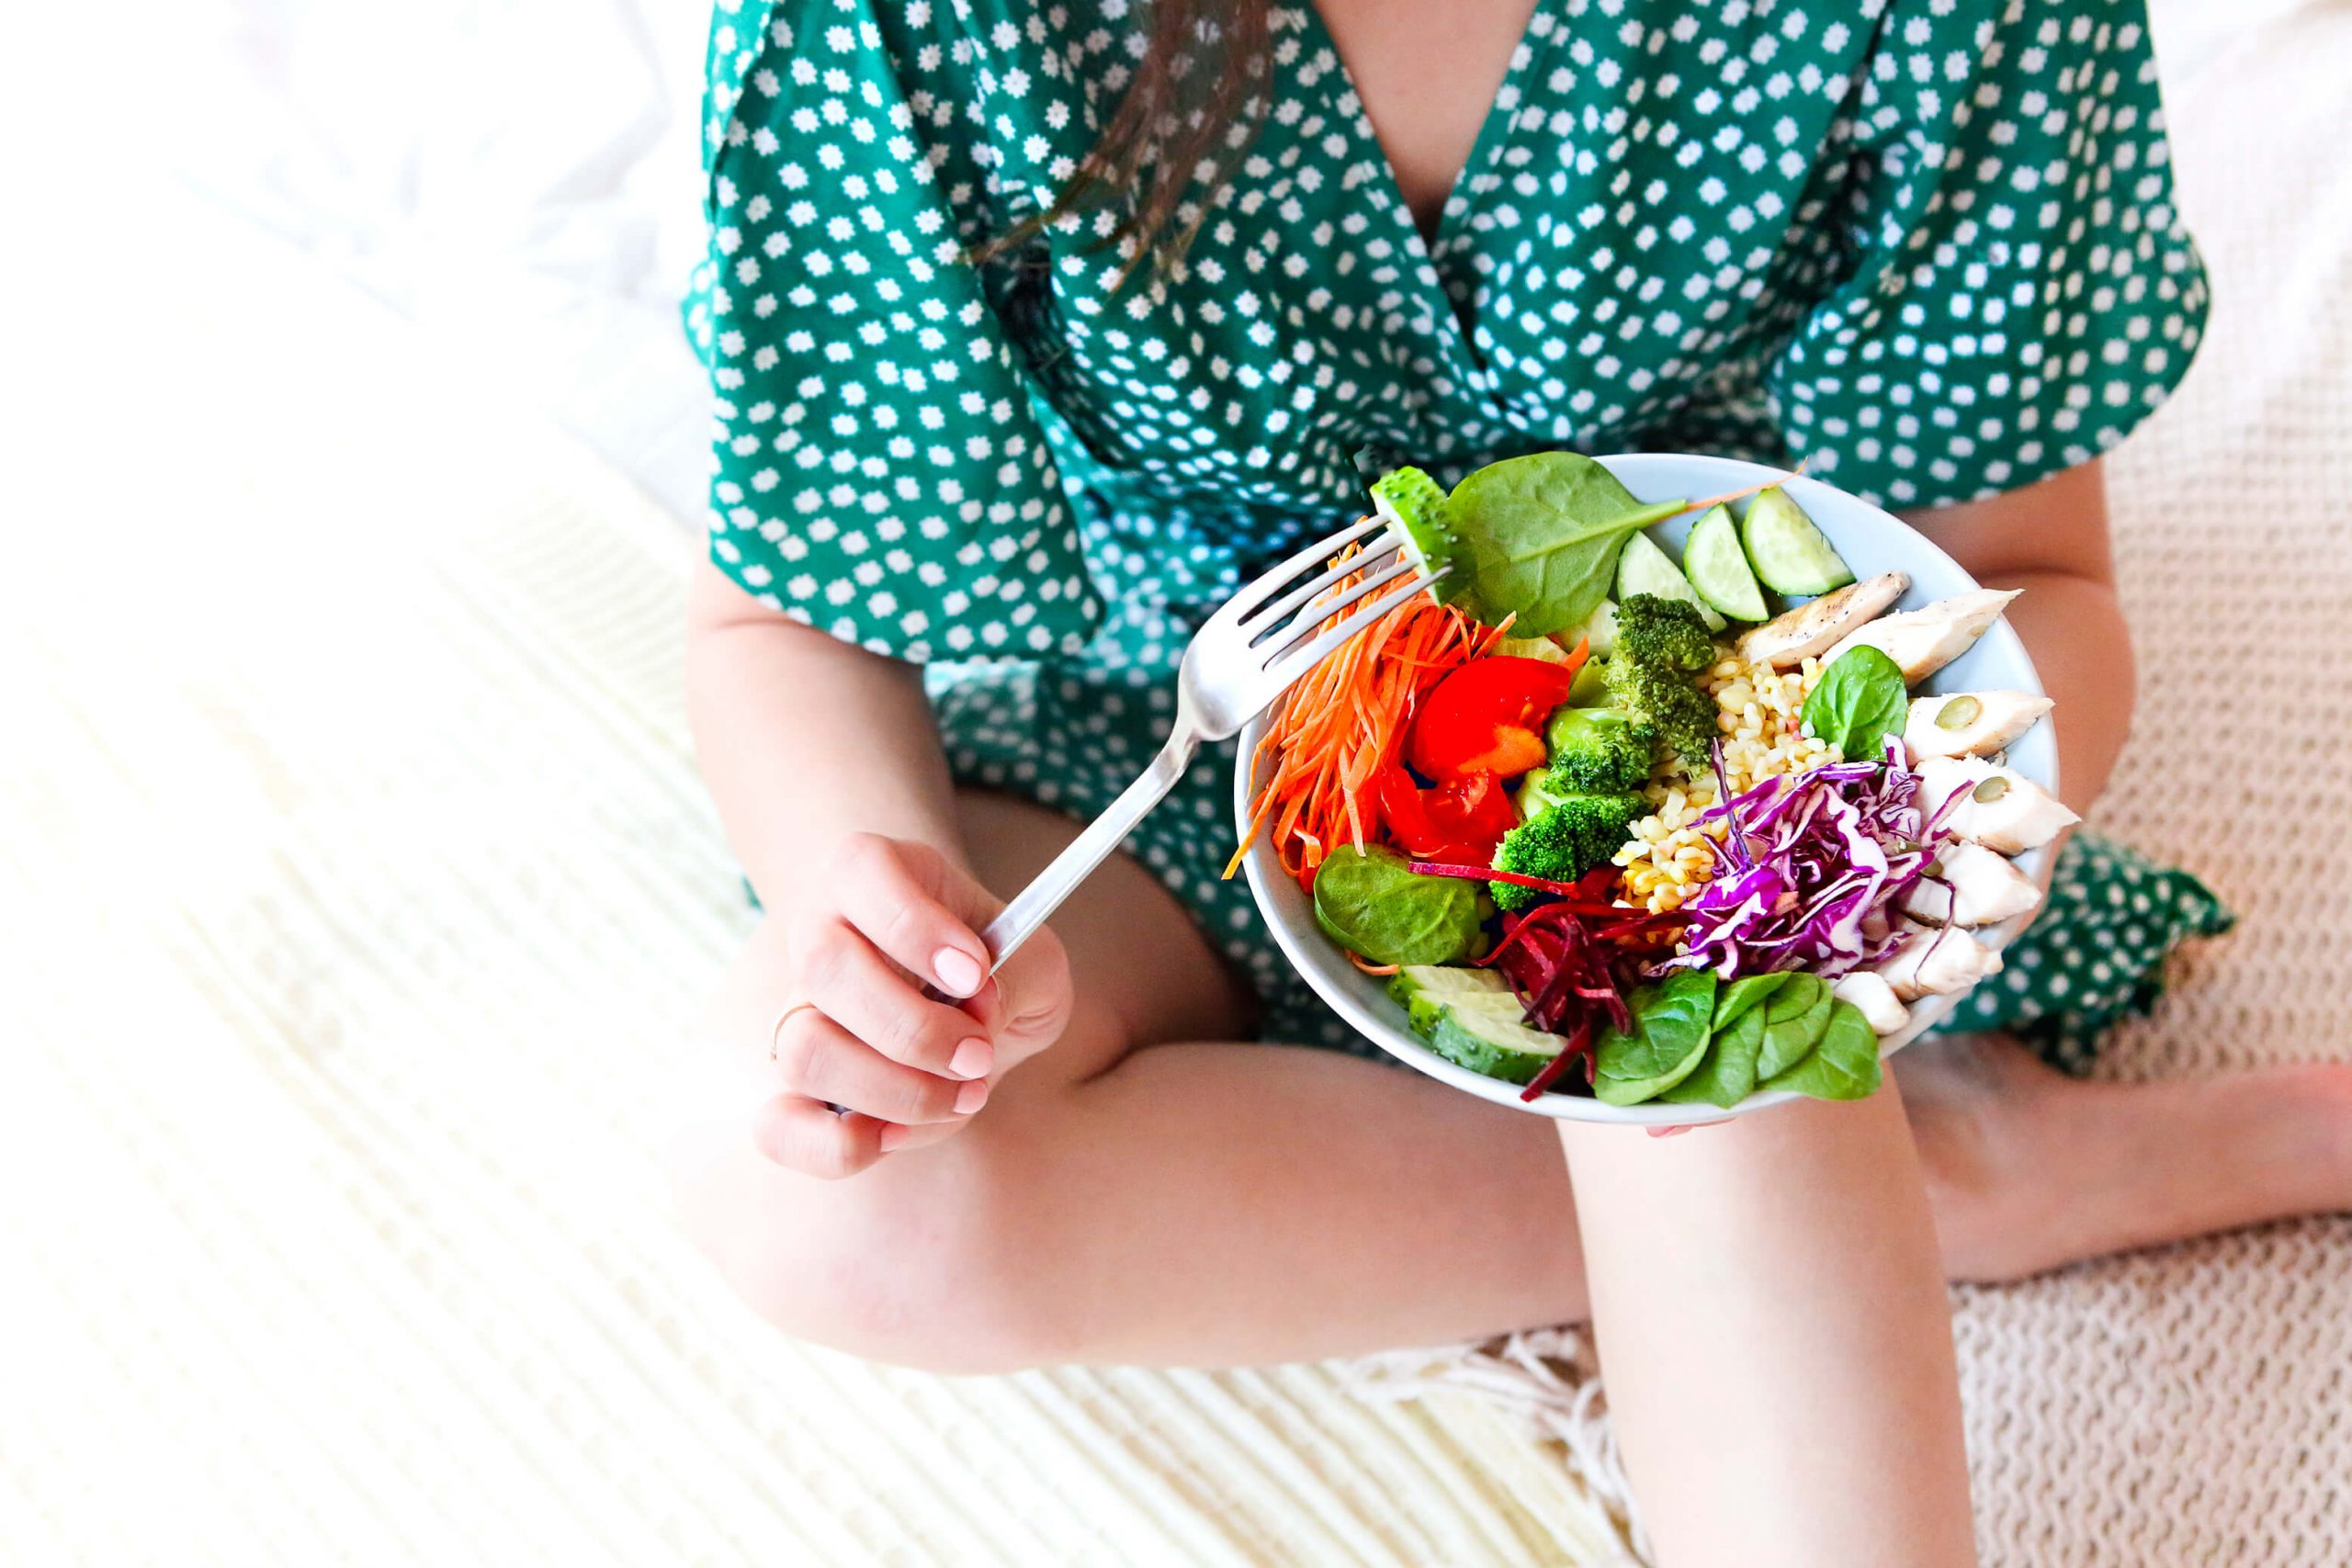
1872	541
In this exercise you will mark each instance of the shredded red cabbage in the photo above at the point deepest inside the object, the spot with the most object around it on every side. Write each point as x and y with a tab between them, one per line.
1821	859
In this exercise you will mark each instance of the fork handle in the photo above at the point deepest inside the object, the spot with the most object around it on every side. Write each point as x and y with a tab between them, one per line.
1029	908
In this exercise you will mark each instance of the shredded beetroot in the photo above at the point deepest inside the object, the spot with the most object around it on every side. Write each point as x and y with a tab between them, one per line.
1553	962
1579	1045
1558	958
1489	874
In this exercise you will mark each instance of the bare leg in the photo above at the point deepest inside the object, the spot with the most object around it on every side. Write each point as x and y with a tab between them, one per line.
1131	1196
2028	1170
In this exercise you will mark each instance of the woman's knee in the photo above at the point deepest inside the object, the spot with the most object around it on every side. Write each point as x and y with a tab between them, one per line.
919	1261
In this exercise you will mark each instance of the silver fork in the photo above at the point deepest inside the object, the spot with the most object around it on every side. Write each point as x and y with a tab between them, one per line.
1244	656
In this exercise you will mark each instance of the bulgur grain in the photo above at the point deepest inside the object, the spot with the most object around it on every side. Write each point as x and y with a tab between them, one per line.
1760	711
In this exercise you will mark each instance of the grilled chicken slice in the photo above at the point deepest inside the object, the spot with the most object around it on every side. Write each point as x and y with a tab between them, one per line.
1932	961
1874	996
1923	642
2000	807
1969	724
1972	887
1812	628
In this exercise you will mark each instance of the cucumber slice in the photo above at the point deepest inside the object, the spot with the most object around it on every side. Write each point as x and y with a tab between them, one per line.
1718	569
1542	648
1645	568
1413	505
1472	1018
1789	553
1423	989
1600	631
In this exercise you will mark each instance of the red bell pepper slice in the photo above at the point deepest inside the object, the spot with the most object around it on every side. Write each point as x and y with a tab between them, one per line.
1486	717
1462	820
1473	810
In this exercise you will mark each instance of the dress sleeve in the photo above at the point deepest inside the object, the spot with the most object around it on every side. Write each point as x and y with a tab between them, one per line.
2020	291
878	470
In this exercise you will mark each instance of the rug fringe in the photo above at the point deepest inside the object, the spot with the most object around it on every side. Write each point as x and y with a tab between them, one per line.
1549	1376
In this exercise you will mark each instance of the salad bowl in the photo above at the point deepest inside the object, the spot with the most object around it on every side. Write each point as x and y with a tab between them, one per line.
1872	541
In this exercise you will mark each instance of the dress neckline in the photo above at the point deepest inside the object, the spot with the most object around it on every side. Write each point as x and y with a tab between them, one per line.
1492	127
1453	217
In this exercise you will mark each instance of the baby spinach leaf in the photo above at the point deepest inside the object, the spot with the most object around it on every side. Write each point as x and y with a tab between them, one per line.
1728	1074
1672	1022
1538	537
1371	902
1793	1021
1747	991
1857	703
1844	1066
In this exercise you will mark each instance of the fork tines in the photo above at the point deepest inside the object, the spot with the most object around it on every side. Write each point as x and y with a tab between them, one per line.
1287	660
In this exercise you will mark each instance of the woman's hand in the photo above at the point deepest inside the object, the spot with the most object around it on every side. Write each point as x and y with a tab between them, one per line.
866	932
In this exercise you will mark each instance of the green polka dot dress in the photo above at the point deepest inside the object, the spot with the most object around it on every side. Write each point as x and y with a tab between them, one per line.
1929	246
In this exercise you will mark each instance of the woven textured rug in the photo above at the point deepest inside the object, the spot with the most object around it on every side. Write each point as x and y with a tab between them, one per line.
356	883
355	877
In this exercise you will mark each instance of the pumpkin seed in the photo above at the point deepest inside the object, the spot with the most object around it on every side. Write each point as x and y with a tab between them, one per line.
1991	790
1958	713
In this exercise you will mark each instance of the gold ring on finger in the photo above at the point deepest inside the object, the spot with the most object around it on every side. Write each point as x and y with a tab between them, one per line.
775	1035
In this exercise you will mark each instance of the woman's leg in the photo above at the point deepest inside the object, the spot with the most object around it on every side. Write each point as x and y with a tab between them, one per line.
1130	1195
1133	1196
2028	1170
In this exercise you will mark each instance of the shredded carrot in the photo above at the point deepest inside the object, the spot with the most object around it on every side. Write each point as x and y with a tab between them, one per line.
1342	721
1357	959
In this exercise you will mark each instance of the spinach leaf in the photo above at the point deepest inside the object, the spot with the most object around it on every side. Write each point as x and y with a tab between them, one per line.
1728	1074
1539	537
1747	991
1372	902
1858	702
1672	1021
1793	1021
1844	1066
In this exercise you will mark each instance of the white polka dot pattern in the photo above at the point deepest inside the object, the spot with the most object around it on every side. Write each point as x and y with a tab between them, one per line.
1929	246
881	472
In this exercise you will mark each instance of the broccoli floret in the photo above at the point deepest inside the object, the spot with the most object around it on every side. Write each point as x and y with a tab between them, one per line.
1598	750
1534	794
1669	633
1662	645
1564	839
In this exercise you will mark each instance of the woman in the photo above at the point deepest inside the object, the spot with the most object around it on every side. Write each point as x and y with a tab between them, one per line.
1036	331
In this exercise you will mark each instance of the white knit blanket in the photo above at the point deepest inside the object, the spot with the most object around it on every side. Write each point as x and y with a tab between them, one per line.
355	877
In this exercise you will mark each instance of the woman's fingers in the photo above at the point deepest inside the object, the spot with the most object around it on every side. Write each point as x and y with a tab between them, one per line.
800	1135
819	1059
845	978
921	912
898	1138
1028	1005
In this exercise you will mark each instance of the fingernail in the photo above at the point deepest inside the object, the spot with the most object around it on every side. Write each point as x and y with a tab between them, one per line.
971	1097
892	1136
972	1059
958	972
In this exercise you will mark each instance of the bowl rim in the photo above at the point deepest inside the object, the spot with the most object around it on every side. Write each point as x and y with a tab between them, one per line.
1389	1033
